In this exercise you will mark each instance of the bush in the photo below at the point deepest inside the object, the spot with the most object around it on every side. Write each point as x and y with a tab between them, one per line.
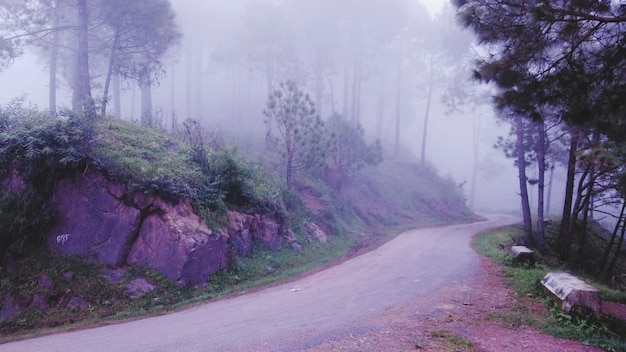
40	150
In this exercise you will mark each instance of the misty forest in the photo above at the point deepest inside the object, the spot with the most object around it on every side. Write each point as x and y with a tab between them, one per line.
181	148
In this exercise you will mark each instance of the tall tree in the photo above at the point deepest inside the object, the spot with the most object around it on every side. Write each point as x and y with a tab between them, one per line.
294	129
564	54
141	33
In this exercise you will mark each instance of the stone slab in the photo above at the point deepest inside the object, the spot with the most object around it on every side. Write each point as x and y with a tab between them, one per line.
572	293
522	254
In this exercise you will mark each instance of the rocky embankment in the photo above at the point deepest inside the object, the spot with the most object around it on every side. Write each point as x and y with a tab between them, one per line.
105	223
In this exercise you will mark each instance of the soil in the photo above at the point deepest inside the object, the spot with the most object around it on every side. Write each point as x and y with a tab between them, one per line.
467	312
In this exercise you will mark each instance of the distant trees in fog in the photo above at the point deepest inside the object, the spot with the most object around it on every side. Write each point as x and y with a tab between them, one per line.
304	142
92	40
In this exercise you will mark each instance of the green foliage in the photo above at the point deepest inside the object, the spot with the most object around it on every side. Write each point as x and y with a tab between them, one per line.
453	342
584	328
299	138
604	332
145	159
25	219
348	150
37	151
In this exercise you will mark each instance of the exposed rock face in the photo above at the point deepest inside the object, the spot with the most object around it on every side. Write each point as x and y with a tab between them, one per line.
94	222
103	222
175	241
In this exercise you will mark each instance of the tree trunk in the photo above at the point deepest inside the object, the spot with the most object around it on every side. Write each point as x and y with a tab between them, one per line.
431	83
565	233
54	55
107	82
117	103
82	100
346	89
607	251
380	115
356	87
199	77
551	178
475	153
146	99
396	144
331	86
611	267
189	81
541	167
319	84
521	169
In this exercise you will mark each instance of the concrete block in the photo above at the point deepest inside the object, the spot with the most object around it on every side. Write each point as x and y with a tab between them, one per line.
522	254
571	293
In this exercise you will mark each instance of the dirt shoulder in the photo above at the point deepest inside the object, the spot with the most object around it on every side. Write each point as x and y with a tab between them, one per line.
475	312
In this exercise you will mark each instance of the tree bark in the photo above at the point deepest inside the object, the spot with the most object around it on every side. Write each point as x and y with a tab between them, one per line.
618	249
476	125
607	251
564	239
431	83
551	178
541	168
107	82
521	169
54	55
82	100
117	103
146	99
396	144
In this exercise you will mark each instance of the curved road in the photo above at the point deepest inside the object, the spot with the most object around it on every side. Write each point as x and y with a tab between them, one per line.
302	313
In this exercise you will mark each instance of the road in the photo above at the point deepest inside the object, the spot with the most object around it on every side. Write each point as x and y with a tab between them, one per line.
302	313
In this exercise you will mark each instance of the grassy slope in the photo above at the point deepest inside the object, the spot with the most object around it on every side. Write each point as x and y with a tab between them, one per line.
374	205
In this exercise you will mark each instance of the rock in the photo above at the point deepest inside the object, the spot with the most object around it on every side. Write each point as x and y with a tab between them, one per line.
239	232
316	233
10	308
266	232
77	303
522	254
39	302
292	241
138	288
176	242
44	282
114	275
571	293
93	223
68	275
106	223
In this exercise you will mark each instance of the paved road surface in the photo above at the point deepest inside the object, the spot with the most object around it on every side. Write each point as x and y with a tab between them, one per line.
301	313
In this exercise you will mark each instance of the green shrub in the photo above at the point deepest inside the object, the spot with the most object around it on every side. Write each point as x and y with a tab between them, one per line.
41	150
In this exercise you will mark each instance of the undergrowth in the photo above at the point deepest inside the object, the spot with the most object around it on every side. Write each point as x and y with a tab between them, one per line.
607	332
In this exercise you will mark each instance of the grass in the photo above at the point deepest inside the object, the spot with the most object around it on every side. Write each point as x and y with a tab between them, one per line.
453	342
378	203
608	333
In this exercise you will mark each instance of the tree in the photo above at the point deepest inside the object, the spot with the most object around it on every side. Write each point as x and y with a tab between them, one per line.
564	55
299	136
141	33
348	150
134	36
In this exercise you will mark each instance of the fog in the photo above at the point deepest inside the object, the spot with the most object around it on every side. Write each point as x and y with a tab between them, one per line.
232	51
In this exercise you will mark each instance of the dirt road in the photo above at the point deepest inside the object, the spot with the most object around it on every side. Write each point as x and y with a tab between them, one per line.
414	270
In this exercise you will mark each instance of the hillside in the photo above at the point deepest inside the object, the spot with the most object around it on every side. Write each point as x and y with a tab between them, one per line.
104	219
